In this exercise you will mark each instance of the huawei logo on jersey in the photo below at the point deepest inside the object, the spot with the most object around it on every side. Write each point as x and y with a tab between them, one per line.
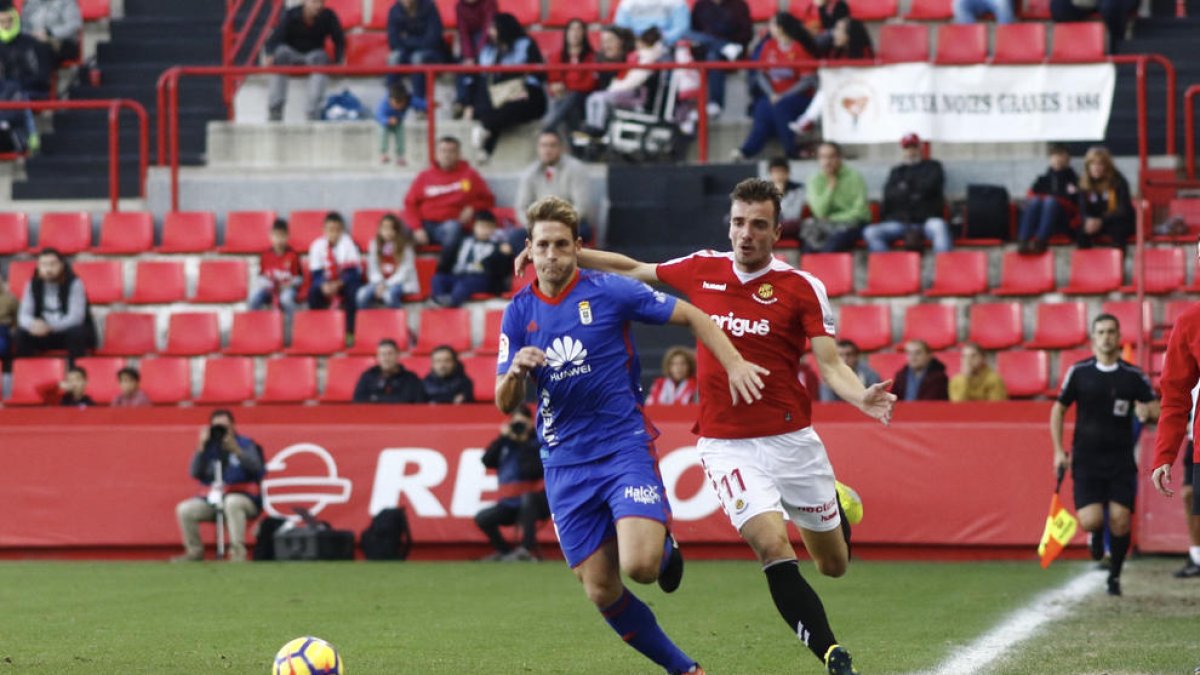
567	350
738	326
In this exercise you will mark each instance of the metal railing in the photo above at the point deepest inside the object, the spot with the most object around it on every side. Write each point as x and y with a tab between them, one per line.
234	39
1189	130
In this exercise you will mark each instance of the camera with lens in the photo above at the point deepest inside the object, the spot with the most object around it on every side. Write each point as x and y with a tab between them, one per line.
519	428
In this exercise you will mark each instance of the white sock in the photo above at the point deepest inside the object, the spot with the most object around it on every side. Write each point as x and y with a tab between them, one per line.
1194	551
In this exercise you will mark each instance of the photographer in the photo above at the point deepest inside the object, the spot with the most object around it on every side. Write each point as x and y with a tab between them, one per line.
516	457
235	492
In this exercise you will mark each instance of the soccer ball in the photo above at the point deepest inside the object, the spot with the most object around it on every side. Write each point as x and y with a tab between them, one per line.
308	656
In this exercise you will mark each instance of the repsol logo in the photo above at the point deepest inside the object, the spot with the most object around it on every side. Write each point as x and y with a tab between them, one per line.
738	326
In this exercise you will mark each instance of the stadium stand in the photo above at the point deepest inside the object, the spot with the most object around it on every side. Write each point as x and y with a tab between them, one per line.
959	273
318	333
1025	274
167	380
1078	42
1166	271
222	282
227	381
903	43
256	334
1060	325
193	334
892	274
341	375
1020	43
936	325
292	379
1094	271
35	381
930	10
102	384
188	232
559	13
961	44
835	270
247	231
996	325
128	334
443	326
158	282
104	280
67	232
1025	372
14	232
868	326
305	227
125	233
373	325
492	321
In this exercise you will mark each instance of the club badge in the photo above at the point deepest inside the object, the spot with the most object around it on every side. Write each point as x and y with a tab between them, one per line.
585	313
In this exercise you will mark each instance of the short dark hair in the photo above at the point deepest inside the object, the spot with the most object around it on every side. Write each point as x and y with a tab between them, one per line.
445	348
849	343
754	190
78	369
388	342
1058	149
450	139
335	217
552	132
131	373
220	412
1106	317
50	250
524	411
280	225
650	36
837	147
398	92
779	163
487	216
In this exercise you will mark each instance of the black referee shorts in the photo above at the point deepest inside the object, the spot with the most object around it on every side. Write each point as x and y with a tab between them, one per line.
1188	469
1102	486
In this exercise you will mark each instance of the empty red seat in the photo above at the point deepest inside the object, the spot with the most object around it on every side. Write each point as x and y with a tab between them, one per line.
548	41
903	42
962	273
931	10
159	282
1025	373
366	49
1036	10
193	334
126	232
1060	325
426	268
227	381
222	282
318	332
35	381
961	44
996	325
1078	42
189	232
166	381
867	326
18	276
936	325
256	333
248	231
128	334
341	376
14	232
1066	359
67	232
94	10
874	10
365	224
102	377
887	364
373	325
560	13
349	12
527	11
290	380
482	371
1026	274
1166	271
893	273
103	280
304	227
1018	43
835	270
1126	312
1094	271
491	332
448	326
446	9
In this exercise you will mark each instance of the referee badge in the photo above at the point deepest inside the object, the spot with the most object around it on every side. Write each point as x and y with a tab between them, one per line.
585	313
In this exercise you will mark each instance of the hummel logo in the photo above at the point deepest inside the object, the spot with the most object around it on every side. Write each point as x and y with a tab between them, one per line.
563	350
709	286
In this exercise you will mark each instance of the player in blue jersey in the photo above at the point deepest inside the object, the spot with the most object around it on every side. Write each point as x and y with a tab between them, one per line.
569	332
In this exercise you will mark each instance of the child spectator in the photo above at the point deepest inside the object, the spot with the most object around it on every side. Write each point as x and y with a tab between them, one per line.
1052	203
478	264
74	389
626	89
447	382
1104	201
279	274
677	385
390	115
9	306
568	90
336	274
391	266
129	380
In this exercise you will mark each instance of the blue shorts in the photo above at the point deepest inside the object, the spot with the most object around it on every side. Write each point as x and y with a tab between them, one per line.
586	500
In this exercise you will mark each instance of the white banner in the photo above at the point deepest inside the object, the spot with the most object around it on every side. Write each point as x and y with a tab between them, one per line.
967	104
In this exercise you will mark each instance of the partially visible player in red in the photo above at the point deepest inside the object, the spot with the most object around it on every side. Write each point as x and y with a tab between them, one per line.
764	459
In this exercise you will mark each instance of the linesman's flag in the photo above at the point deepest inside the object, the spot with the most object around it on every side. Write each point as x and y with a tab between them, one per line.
1060	528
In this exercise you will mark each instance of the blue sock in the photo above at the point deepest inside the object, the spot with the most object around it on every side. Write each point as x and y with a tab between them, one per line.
635	623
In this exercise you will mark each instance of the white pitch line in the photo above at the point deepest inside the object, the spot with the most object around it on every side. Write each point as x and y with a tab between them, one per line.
1021	625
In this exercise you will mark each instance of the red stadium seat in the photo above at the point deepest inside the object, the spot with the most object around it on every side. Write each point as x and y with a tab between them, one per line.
446	8
867	326
1026	274
166	381
366	49
365	223
1166	271
1066	359
290	380
102	377
94	10
959	273
521	281
35	381
18	275
893	273
189	232
379	15
222	282
491	333
426	268
14	233
903	42
1018	43
937	325
447	326
561	13
952	359
318	332
128	334
126	232
1036	10
227	381
763	10
874	10
1078	42
1094	271
548	41
997	325
256	333
887	364
349	12
193	334
248	231
305	227
1025	373
103	280
1060	326
482	371
68	232
1188	209
419	365
961	44
528	12
373	325
158	282
1127	317
341	375
931	10
835	270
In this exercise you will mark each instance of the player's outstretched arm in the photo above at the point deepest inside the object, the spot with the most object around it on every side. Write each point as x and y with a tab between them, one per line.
510	387
607	261
876	401
745	378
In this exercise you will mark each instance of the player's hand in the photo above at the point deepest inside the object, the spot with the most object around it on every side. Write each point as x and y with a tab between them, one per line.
1061	459
1162	480
522	261
745	382
526	360
1141	411
878	401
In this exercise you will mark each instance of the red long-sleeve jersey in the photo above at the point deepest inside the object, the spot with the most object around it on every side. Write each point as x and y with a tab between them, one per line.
1181	372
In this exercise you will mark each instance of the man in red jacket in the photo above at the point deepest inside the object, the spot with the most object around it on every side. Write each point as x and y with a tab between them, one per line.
443	199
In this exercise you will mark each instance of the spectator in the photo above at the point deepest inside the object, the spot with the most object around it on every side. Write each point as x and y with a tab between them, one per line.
977	381
913	203
23	59
335	264
677	384
820	19
721	29
54	311
390	115
501	101
1104	201
516	457
299	40
670	17
9	308
628	88
473	18
924	378
787	91
447	382
414	30
129	380
477	264
391	266
443	199
837	197
388	381
237	494
1052	203
279	273
791	203
1113	12
18	130
850	40
554	174
970	11
73	389
568	91
852	358
57	24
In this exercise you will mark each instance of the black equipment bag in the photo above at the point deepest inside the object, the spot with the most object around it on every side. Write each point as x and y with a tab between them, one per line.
308	543
264	540
388	536
987	213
